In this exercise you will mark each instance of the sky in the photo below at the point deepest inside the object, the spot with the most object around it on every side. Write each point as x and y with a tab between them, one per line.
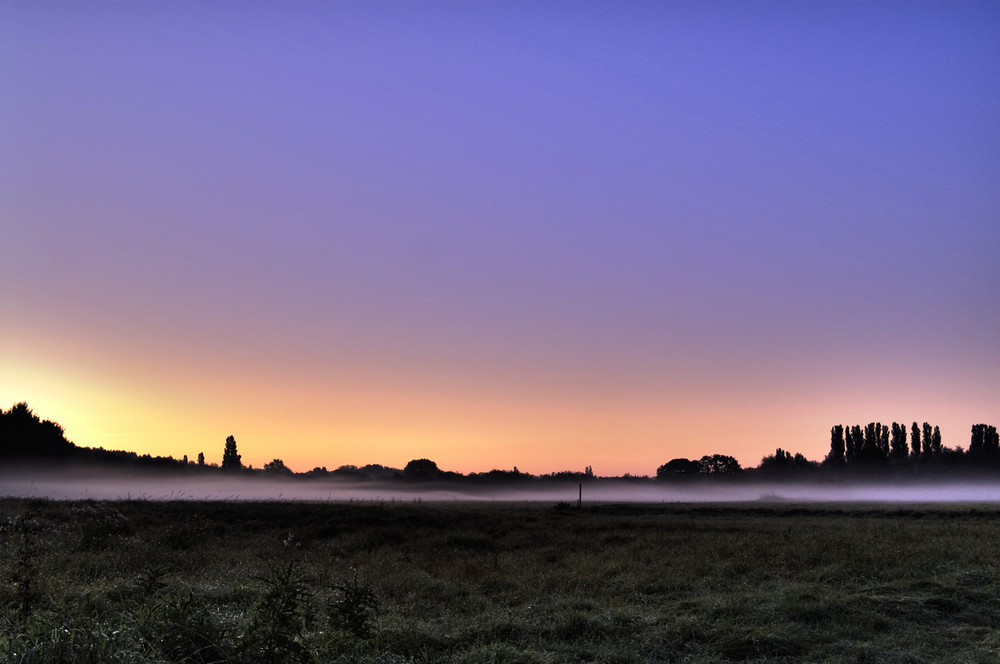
544	234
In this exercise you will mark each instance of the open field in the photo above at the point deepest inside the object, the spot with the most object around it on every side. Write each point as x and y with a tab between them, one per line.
138	581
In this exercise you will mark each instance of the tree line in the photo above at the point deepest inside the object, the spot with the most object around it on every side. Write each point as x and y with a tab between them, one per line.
872	449
877	444
875	449
27	439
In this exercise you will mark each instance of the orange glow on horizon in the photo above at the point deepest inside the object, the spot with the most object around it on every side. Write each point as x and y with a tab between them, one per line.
167	408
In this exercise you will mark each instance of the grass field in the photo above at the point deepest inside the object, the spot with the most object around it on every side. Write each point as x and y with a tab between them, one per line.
135	581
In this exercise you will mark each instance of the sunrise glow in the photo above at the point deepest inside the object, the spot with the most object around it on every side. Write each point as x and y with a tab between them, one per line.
546	235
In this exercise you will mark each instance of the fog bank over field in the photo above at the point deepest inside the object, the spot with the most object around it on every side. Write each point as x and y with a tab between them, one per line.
81	485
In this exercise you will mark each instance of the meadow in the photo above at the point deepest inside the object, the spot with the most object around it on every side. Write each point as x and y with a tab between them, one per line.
375	581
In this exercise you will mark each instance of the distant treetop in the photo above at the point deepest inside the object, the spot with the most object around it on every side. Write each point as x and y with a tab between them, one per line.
421	469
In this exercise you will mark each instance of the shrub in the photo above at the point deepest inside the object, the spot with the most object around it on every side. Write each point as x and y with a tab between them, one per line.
19	539
182	629
278	620
355	609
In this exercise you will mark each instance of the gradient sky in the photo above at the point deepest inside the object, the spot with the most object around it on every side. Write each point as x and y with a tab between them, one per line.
542	234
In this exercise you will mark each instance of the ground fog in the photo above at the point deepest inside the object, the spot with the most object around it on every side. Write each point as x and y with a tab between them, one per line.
83	485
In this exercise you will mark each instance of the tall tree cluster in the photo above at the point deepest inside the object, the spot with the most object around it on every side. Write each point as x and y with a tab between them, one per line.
877	443
985	444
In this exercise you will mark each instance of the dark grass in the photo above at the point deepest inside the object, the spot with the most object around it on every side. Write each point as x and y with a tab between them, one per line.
137	581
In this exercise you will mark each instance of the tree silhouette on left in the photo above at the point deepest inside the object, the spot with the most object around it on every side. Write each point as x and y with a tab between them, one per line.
24	434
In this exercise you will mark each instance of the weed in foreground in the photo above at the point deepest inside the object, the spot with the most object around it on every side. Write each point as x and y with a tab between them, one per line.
279	619
20	574
355	609
182	628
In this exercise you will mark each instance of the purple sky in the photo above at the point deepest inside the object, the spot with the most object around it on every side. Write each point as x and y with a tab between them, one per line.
544	234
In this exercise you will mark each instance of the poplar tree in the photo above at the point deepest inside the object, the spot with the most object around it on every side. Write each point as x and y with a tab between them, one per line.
869	448
854	441
897	447
985	444
230	457
837	446
875	443
991	442
928	439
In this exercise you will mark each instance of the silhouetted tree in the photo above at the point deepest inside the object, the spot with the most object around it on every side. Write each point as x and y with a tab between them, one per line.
799	461
871	445
230	457
928	440
976	443
855	443
779	458
991	440
497	475
24	434
277	466
877	441
784	462
421	469
915	441
318	471
897	447
985	444
936	441
678	469
837	447
718	464
378	471
201	458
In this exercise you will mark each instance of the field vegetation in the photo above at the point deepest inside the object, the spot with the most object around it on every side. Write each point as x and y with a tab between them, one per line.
143	581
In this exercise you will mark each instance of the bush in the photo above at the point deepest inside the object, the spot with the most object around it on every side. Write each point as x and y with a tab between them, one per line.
278	620
355	609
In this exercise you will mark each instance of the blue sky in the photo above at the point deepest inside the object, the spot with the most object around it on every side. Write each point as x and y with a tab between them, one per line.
545	234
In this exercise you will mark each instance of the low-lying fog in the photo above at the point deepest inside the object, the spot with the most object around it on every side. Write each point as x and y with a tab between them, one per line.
78	486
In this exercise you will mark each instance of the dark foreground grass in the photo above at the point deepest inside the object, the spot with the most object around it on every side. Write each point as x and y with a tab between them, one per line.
376	582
